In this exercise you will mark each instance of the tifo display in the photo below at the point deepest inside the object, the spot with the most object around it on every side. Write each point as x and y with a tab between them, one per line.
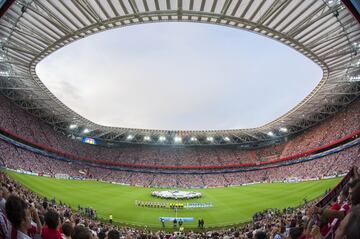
176	194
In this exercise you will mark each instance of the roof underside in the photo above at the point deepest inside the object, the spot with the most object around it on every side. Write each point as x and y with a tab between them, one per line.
324	31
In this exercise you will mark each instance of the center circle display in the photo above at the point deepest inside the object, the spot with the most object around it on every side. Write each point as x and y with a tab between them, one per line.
176	194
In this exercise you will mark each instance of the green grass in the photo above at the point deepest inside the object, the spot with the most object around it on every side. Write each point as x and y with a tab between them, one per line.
232	205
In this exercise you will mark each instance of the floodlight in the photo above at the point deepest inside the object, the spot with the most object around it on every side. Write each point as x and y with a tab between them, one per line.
355	78
4	73
282	129
227	139
193	139
162	138
73	126
129	137
147	138
332	3
270	133
85	131
177	139
210	138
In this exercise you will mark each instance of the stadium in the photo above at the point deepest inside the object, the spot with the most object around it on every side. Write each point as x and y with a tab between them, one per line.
62	175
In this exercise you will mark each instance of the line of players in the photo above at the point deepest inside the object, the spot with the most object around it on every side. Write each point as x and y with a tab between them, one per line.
159	204
151	204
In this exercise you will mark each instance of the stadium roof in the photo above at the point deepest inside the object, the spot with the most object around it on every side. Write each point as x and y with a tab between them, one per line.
325	31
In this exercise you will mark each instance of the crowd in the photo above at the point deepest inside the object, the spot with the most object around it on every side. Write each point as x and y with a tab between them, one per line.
24	215
17	121
337	126
334	164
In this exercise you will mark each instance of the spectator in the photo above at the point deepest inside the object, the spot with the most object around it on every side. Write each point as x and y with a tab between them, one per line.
113	234
260	235
67	230
20	216
50	230
350	227
4	193
81	232
295	232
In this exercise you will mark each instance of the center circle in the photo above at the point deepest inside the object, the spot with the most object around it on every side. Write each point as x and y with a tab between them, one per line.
175	194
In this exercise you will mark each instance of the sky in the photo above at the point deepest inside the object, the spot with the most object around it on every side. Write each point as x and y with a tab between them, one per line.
179	76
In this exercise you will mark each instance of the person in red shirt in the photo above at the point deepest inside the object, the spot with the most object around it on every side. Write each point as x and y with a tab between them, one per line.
50	230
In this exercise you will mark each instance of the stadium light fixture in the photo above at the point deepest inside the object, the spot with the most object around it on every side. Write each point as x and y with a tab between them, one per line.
193	139
354	78
210	138
129	137
85	131
332	3
283	129
270	133
177	139
147	138
162	138
4	73
73	126
356	45
227	139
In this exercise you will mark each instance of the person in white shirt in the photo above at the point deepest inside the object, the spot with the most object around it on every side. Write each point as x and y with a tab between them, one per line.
19	213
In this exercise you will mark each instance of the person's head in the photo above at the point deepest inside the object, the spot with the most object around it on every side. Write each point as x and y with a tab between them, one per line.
352	185
344	194
260	235
113	234
4	192
293	223
349	227
355	195
52	218
81	232
295	232
18	212
67	229
45	204
102	234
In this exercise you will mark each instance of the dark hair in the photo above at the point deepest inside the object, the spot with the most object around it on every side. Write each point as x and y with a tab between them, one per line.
81	232
345	191
355	196
260	235
15	210
113	234
295	232
102	234
67	229
52	219
353	183
293	223
352	229
45	204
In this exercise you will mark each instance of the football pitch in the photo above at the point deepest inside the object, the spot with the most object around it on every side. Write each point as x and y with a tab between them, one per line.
231	205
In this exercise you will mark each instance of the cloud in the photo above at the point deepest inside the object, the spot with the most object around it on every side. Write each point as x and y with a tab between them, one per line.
179	76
